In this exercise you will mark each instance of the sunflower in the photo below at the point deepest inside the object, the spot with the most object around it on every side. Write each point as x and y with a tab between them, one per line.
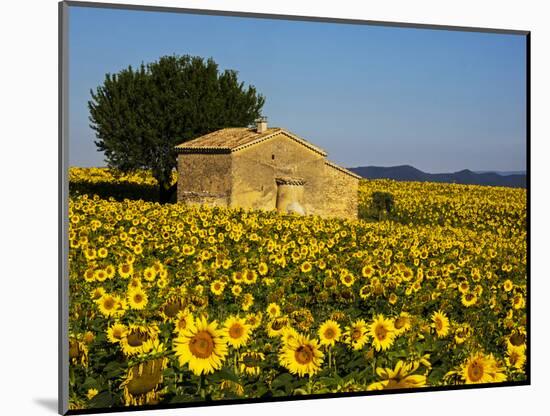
364	292
249	362
383	332
480	368
138	249
116	332
400	377
367	271
108	305
110	270
149	274
288	333
329	333
237	277
301	356
516	340
97	293
236	290
518	301
91	393
202	346
462	333
250	277
273	310
217	287
142	381
89	275
347	279
237	331
402	323
188	250
306	267
182	320
254	320
247	302
139	339
90	254
171	307
508	285
134	283
276	326
78	352
125	270
100	275
356	334
440	323
263	269
137	299
469	299
463	287
515	357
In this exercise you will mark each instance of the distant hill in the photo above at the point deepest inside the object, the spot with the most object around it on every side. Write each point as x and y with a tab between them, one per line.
466	177
502	172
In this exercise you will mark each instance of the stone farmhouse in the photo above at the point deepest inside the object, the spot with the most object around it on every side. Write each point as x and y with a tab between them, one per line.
264	168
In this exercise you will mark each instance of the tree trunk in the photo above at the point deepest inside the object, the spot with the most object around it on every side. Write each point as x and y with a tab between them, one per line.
167	193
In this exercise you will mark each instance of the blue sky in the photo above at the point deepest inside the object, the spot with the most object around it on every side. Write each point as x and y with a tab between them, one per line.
439	100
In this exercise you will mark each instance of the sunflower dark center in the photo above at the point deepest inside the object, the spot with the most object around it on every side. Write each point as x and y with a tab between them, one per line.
109	303
182	323
202	345
517	339
381	332
304	354
236	331
400	322
277	325
330	333
171	309
136	339
475	371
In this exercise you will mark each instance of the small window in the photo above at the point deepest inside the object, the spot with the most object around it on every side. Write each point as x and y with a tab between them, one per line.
272	157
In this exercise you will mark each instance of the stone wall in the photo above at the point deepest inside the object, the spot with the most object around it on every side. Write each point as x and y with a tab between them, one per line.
341	194
204	178
248	179
255	170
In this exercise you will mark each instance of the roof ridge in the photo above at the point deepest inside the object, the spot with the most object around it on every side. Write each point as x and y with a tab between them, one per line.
342	169
216	142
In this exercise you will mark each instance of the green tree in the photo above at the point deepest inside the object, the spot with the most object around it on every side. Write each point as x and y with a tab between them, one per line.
139	115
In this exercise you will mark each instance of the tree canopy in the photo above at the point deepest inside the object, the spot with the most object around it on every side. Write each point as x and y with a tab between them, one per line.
139	115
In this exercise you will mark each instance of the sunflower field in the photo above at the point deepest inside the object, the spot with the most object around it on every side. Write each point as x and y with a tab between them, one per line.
177	304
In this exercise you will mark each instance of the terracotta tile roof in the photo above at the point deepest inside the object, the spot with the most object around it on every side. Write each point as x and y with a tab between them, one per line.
236	138
341	169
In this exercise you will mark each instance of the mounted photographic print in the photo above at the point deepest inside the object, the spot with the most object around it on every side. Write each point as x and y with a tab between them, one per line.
258	208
